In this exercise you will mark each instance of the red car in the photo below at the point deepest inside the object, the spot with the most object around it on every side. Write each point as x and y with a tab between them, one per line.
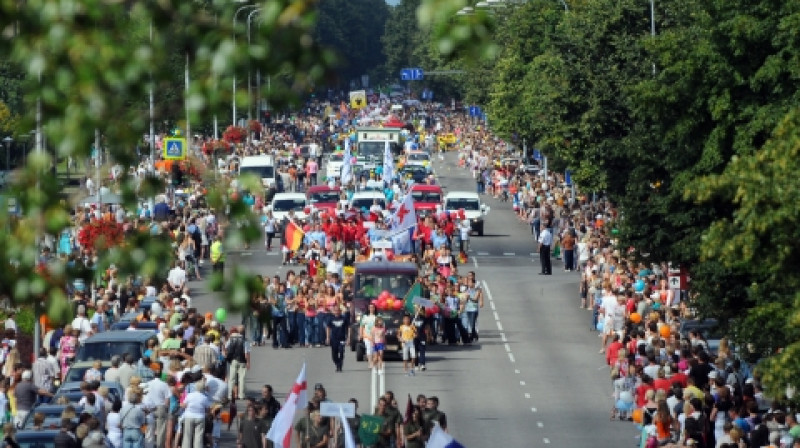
323	197
426	198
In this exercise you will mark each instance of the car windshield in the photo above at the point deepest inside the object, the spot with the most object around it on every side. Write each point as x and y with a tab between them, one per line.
423	157
264	172
367	203
371	149
466	204
336	157
284	205
77	373
325	196
426	196
368	286
103	351
414	169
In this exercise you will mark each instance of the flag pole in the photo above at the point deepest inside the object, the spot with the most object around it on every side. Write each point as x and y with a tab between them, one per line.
308	414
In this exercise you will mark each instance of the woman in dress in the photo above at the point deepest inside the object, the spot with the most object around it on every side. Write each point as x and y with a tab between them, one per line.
68	347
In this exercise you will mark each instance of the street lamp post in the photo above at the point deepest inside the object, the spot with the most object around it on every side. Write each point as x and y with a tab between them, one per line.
249	71
653	26
8	141
236	14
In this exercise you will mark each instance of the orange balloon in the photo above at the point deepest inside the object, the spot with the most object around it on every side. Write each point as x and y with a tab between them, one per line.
664	331
636	318
636	415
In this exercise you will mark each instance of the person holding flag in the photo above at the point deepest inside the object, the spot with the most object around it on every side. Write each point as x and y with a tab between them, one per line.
280	433
402	223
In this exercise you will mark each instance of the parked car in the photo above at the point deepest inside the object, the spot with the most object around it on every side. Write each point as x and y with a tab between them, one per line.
37	439
72	391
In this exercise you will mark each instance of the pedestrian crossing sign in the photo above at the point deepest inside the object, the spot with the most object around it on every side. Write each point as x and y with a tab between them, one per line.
174	148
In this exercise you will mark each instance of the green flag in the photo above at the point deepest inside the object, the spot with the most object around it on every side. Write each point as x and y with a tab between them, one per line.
415	291
369	429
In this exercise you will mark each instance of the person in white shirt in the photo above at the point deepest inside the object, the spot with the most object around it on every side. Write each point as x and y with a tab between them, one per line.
195	406
157	399
545	241
608	308
177	277
464	228
10	323
82	324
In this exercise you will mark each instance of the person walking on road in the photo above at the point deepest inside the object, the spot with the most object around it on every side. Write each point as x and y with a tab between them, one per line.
217	255
545	241
337	332
238	357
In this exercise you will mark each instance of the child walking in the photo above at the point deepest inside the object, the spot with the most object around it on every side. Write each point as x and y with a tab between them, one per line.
378	338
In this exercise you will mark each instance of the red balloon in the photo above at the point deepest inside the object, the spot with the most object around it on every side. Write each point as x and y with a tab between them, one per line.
398	305
384	295
429	312
382	304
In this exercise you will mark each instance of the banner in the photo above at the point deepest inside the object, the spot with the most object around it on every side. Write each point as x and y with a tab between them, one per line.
358	99
370	429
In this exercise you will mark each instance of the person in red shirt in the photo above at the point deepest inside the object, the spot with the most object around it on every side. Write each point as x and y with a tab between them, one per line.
612	351
678	377
641	390
662	383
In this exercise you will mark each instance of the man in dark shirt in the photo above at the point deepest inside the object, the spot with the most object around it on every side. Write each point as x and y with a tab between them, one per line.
65	438
337	332
269	402
700	371
25	393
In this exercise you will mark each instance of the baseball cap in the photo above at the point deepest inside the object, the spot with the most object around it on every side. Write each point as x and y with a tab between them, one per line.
318	386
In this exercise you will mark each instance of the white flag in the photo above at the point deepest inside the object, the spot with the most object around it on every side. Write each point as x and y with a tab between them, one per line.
347	167
281	431
388	164
349	442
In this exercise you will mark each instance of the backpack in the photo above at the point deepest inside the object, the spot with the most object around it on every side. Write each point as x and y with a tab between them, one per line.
236	349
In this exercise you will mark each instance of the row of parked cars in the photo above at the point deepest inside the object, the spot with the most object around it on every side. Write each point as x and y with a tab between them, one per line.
100	347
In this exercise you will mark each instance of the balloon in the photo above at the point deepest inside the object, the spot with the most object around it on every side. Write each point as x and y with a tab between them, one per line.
599	325
639	285
398	305
637	415
436	309
664	331
390	303
384	295
221	315
636	318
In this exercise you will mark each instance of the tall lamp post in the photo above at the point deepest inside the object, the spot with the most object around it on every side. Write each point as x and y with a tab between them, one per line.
8	141
236	14
249	71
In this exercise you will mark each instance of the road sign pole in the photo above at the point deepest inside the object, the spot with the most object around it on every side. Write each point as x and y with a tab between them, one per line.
373	396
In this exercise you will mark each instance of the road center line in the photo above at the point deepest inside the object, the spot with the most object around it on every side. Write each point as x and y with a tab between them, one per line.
522	383
508	348
488	291
546	441
475	262
503	337
499	326
540	424
496	316
511	358
527	395
516	371
533	410
491	304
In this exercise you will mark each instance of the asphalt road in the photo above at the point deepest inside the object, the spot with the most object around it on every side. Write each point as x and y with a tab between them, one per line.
534	379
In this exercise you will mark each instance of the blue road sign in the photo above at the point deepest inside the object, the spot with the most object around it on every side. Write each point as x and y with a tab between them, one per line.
537	155
475	111
174	148
568	177
412	74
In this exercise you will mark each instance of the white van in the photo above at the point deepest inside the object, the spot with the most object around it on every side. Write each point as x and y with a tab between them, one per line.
470	202
260	166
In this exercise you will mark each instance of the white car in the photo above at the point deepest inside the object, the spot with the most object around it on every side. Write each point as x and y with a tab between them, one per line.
334	167
364	200
470	202
283	202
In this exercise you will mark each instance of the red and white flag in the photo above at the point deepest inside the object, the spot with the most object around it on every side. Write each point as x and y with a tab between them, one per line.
281	431
404	217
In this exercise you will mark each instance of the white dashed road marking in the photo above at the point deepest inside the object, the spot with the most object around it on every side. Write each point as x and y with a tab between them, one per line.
511	358
499	326
527	395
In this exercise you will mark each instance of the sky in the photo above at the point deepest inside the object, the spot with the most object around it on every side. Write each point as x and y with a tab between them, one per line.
392	2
